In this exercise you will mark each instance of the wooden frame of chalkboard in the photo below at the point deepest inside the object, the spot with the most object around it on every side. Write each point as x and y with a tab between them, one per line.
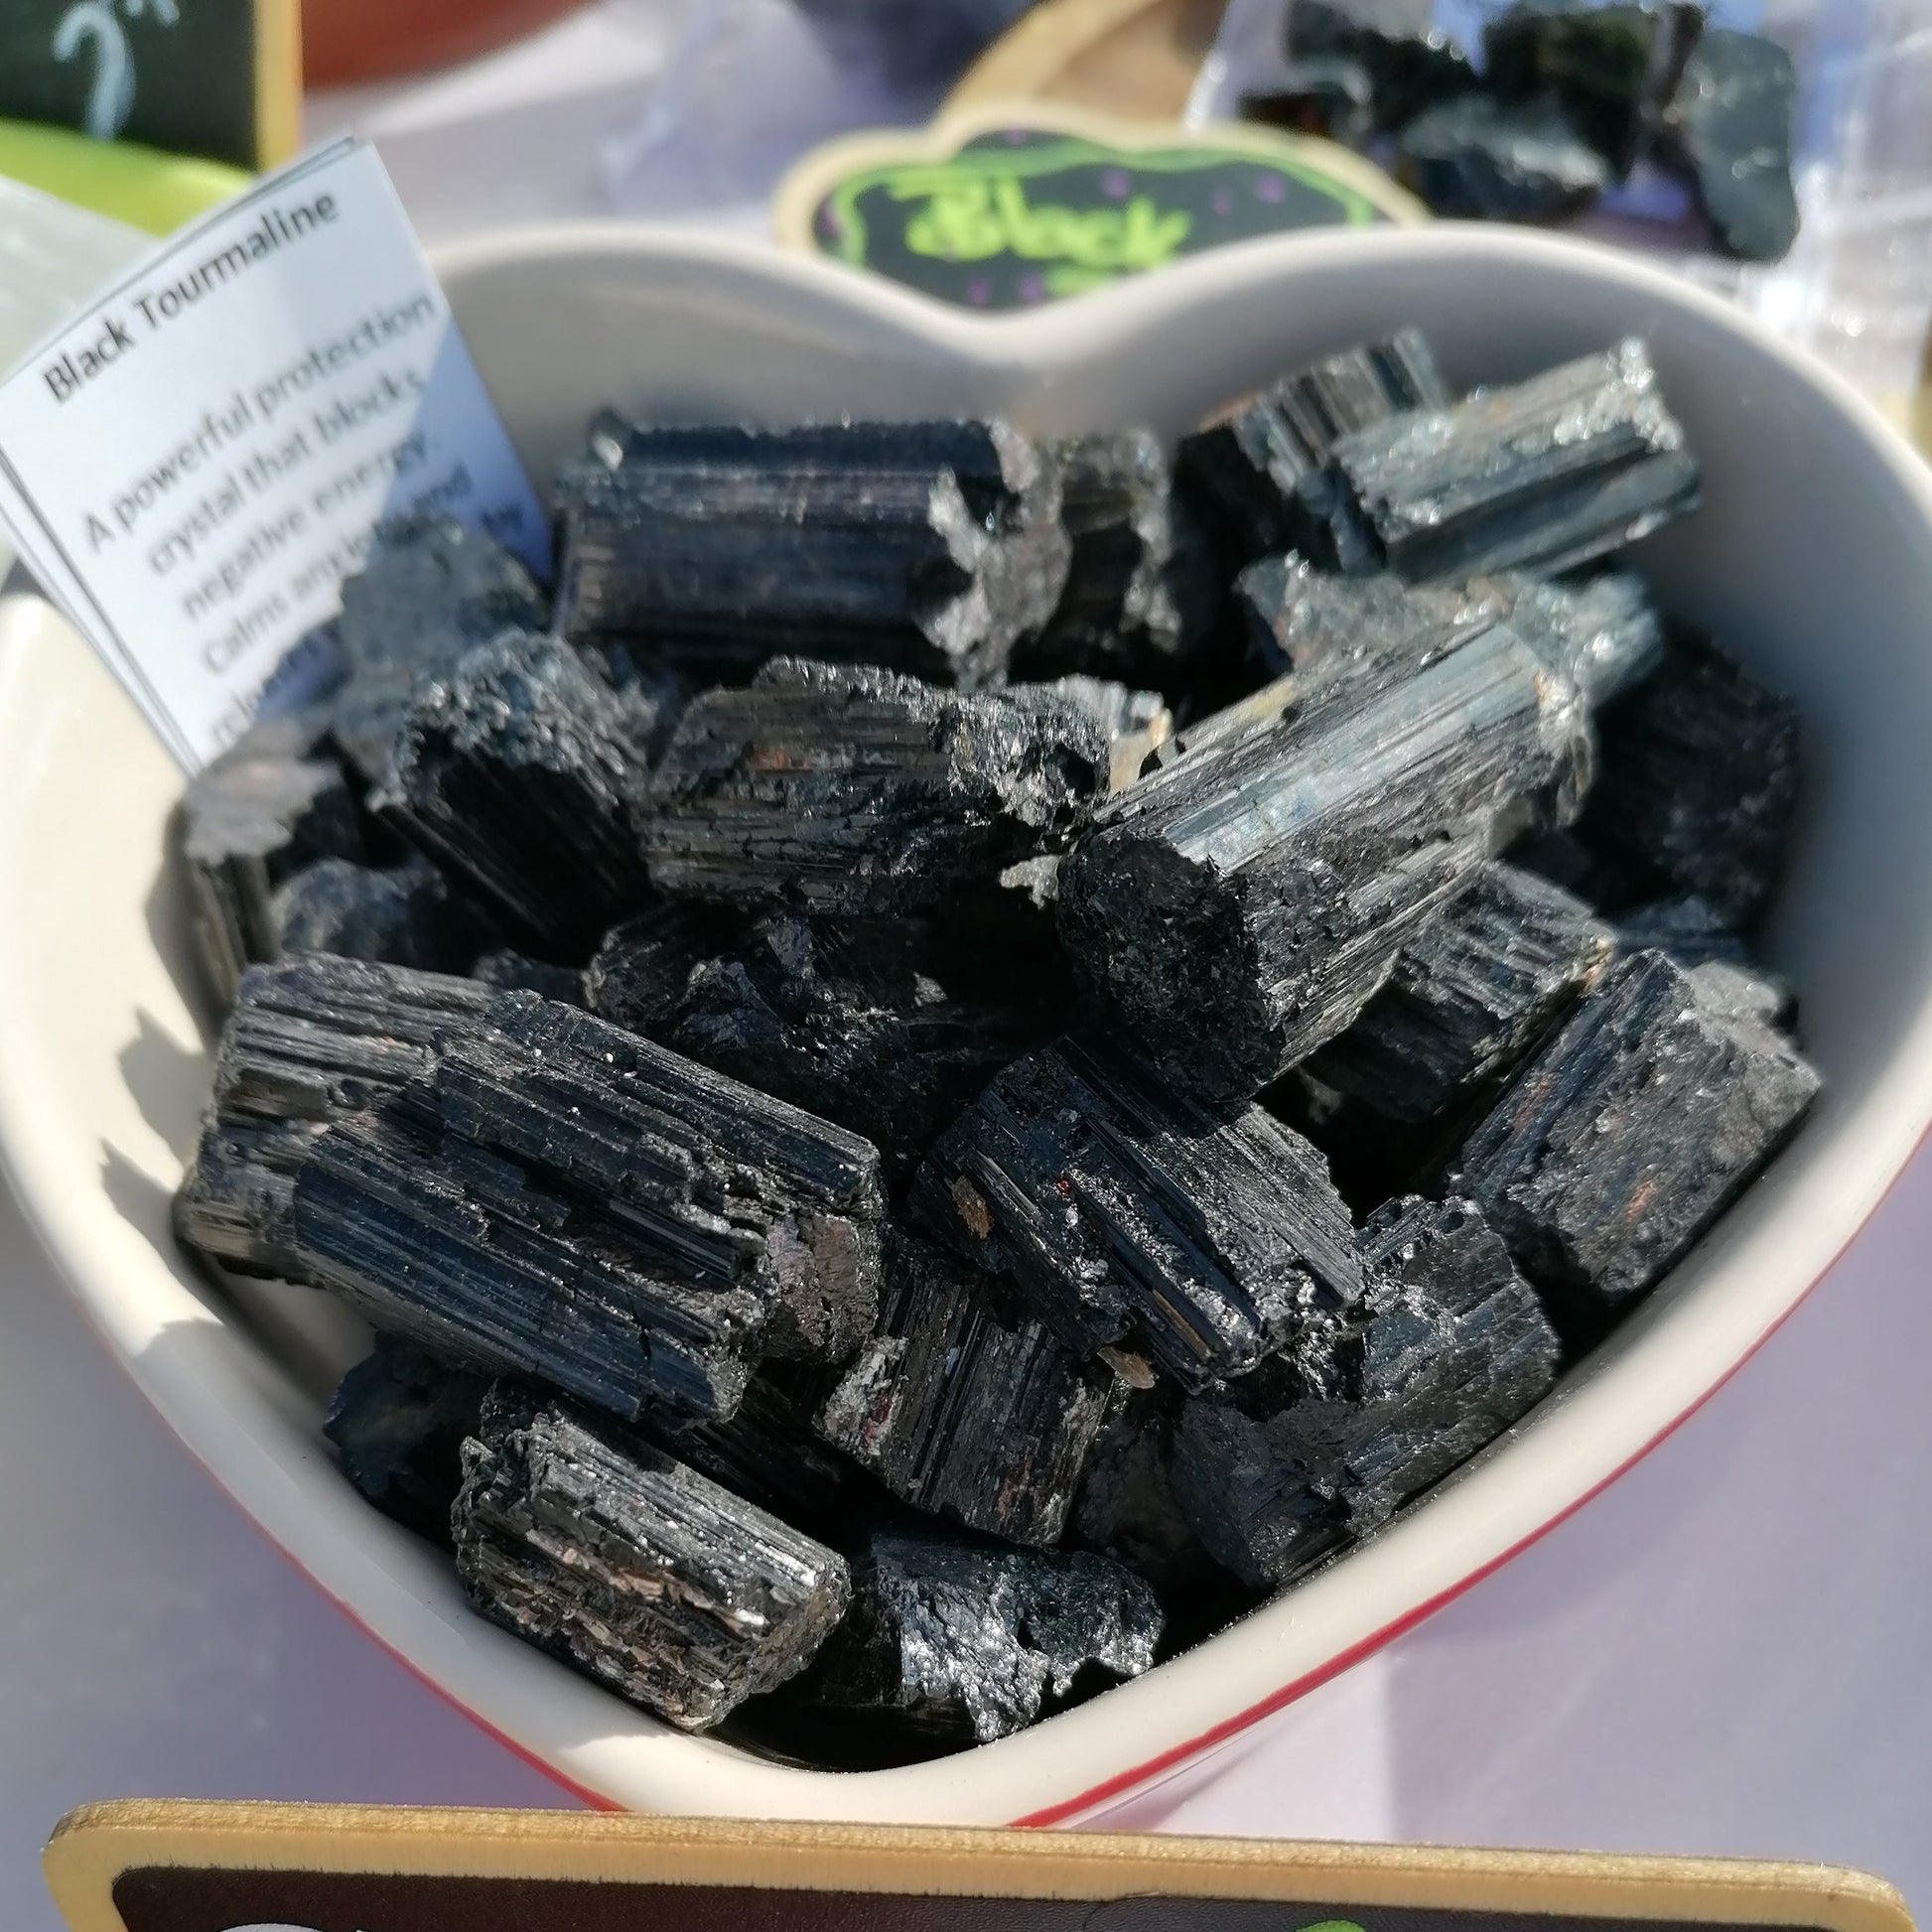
145	1867
221	79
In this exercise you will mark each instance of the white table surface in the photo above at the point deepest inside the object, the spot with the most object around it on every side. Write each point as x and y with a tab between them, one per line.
1727	1652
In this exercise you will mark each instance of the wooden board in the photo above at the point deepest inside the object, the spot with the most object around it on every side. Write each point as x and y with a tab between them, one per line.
201	1868
221	79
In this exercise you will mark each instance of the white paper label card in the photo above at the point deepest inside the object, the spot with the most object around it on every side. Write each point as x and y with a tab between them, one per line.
192	465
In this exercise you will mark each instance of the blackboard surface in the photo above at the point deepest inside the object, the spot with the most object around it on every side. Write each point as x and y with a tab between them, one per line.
214	78
146	1867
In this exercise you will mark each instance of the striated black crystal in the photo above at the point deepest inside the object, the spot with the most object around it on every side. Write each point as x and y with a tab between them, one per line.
1468	995
406	914
1241	905
962	1407
637	976
634	1568
1411	61
1538	475
855	790
309	1040
1699	784
846	1018
928	547
1630	1131
1612	64
398	1420
511	972
1478	159
429	592
963	1641
1447	1348
1331	97
1141	592
1601	631
1256	470
516	774
275	802
1120	1210
1729	127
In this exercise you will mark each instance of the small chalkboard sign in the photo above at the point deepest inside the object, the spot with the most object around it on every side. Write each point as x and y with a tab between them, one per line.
215	77
194	1867
1010	207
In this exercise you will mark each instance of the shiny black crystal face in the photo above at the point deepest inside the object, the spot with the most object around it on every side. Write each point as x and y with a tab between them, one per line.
977	1053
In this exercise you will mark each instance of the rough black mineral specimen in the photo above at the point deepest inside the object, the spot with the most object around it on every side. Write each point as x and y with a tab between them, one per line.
398	1420
1483	160
928	547
405	914
1141	590
1126	1508
964	1641
1332	98
1601	631
1699	784
275	802
843	1018
1120	1210
1241	905
1729	127
512	972
515	773
1449	1347
637	976
562	1198
1630	1131
634	1568
1691	929
1538	475
1256	472
1412	63
1137	723
1612	66
853	790
1468	995
311	1041
430	592
964	1408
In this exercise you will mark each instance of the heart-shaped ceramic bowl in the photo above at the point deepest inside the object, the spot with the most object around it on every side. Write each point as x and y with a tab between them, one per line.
1812	560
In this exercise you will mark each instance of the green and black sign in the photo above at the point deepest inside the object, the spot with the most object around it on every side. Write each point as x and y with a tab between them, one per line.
1010	216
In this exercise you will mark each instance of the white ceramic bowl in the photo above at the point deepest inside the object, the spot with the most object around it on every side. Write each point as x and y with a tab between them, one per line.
1812	560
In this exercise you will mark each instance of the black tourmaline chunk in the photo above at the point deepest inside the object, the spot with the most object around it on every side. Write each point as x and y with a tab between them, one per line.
1240	907
1411	61
963	1641
309	1040
398	1420
515	773
636	977
632	1568
430	592
1256	470
273	802
1612	66
404	913
1126	1508
1483	160
1699	784
1137	723
1139	591
853	790
1332	98
1538	475
843	1017
928	547
1630	1131
1327	633
1119	1209
962	1407
1469	996
1601	631
1691	929
561	1160
1729	127
1449	1347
